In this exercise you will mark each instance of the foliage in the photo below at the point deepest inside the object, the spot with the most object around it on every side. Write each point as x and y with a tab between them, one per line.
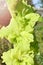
20	33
